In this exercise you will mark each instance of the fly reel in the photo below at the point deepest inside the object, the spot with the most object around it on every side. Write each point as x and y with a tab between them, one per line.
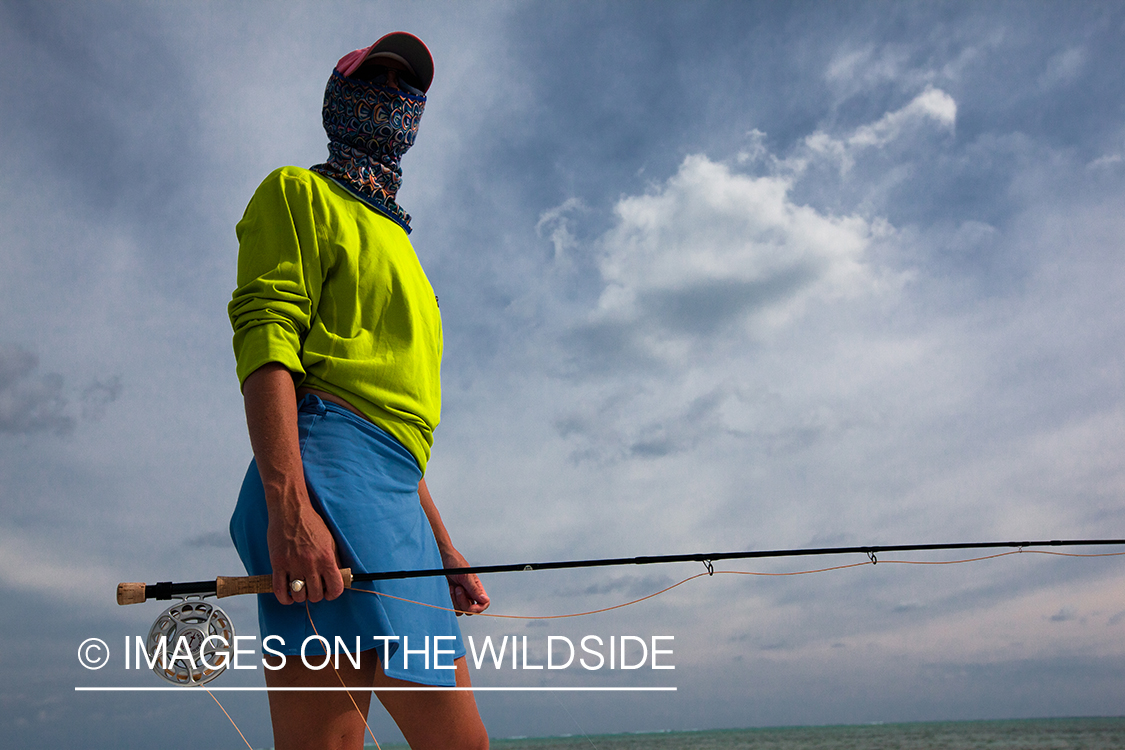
191	642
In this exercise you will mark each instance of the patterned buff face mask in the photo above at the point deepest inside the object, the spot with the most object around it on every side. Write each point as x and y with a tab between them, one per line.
369	128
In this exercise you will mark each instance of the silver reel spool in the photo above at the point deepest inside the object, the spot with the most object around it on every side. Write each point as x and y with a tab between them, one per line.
200	637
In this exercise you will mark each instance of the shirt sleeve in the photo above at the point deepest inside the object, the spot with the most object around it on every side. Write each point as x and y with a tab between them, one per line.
279	276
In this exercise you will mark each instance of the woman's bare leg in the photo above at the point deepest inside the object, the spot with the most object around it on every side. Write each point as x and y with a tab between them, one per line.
328	720
436	720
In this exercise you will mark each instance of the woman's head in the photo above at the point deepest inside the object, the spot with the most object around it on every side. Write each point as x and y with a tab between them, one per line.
376	96
372	106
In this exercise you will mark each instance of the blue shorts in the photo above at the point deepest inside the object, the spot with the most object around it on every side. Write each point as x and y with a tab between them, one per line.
364	484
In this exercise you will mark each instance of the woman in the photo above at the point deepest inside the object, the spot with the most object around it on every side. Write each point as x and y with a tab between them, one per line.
338	340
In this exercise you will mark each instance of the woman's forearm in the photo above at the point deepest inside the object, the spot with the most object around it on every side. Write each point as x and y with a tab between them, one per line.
300	545
271	419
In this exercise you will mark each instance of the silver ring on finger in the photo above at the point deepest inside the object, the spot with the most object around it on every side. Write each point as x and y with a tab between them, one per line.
296	585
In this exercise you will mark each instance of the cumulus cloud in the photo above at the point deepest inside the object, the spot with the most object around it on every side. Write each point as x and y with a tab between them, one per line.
933	105
713	252
706	268
695	275
555	224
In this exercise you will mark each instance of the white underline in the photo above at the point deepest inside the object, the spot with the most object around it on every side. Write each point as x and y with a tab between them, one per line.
382	689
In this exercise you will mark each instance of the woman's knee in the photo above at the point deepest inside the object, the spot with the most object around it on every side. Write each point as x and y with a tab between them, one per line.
480	742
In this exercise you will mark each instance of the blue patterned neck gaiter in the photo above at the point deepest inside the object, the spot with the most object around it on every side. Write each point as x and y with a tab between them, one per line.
369	128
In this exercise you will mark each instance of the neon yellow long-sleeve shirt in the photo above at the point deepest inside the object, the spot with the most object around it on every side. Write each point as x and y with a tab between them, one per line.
333	291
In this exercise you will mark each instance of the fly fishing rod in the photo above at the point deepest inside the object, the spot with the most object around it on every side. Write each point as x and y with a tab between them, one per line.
201	631
224	586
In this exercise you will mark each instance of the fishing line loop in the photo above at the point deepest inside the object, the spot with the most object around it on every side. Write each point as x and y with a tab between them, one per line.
710	572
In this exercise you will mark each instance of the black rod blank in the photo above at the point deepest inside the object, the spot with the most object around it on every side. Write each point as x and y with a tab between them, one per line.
168	590
705	557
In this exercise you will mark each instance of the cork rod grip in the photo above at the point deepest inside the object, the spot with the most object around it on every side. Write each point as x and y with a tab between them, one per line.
234	585
130	593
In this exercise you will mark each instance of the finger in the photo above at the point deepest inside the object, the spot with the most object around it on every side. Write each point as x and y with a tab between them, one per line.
281	587
314	589
333	585
456	597
466	603
475	593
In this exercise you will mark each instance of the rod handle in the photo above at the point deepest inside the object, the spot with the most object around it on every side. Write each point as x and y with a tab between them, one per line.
134	593
130	593
234	585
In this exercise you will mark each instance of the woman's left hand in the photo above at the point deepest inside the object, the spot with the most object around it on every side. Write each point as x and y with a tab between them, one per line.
465	590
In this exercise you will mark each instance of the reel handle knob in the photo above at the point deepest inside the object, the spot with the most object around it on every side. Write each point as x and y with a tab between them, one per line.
130	593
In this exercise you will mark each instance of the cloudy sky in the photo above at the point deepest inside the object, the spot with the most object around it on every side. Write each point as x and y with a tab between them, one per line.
714	276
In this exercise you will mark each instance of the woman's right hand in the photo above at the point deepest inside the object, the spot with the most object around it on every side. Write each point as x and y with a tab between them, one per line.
302	548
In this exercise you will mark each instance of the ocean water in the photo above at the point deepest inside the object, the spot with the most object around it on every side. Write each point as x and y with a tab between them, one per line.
1024	734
